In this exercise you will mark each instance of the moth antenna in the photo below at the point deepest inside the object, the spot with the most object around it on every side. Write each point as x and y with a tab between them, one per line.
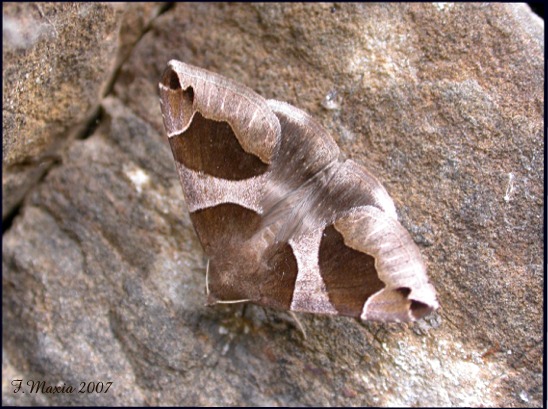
298	323
232	301
244	308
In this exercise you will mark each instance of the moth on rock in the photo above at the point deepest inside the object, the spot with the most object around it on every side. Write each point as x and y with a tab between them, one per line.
286	221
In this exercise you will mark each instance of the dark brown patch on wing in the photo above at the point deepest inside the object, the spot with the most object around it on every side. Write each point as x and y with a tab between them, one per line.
224	225
211	147
241	265
277	281
222	230
349	275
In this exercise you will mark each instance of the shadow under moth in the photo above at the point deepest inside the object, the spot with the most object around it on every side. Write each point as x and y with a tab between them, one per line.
286	221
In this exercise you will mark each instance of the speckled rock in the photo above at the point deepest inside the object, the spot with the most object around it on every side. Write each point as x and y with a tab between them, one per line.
58	62
103	277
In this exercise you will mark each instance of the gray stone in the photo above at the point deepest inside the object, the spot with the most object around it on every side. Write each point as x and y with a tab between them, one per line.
58	62
103	277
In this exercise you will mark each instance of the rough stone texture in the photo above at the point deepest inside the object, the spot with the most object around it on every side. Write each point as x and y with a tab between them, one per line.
58	62
103	277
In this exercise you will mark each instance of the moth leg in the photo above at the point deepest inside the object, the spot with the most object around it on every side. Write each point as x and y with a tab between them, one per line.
244	308
299	324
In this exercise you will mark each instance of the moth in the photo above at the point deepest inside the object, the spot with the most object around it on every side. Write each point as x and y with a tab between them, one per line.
284	218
